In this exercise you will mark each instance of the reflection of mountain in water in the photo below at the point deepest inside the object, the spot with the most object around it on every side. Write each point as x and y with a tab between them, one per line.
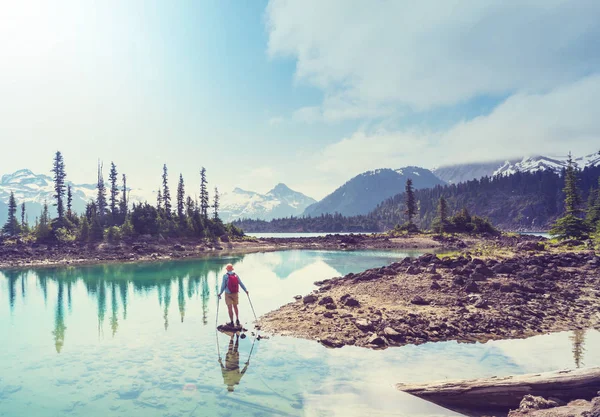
285	263
111	283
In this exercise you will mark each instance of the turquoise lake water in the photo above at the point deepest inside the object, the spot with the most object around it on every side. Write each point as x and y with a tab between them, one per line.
140	340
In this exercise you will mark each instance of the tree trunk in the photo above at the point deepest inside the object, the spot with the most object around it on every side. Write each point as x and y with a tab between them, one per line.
470	396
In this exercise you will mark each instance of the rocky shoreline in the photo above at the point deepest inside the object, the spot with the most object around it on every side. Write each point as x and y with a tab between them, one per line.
464	298
18	254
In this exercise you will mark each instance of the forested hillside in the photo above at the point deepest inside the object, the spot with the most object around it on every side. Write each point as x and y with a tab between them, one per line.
522	201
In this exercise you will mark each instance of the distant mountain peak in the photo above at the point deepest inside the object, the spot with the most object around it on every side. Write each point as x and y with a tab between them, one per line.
281	201
281	187
361	194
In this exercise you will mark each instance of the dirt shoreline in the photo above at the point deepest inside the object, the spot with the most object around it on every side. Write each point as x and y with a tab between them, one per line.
27	255
526	291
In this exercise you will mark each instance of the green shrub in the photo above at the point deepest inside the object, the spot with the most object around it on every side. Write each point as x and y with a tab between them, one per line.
570	227
127	229
114	234
64	235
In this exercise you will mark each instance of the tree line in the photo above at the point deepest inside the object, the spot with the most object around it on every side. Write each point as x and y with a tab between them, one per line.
109	216
521	200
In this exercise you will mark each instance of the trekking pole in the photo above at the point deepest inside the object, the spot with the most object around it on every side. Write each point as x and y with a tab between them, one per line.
216	330
253	312
217	315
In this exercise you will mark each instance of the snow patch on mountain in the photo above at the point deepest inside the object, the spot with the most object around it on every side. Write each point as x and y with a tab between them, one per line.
542	163
36	189
281	201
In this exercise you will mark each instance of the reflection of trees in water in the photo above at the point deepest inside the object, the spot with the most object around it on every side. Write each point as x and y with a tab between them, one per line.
23	284
59	320
205	298
12	277
124	289
113	280
167	302
578	340
181	297
101	306
114	320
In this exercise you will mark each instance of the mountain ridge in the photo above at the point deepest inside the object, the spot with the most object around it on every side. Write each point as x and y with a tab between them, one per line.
280	201
362	193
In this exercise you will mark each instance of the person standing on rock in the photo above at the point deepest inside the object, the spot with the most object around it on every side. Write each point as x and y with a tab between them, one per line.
231	286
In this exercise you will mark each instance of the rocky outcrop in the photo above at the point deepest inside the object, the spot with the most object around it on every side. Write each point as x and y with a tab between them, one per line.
463	298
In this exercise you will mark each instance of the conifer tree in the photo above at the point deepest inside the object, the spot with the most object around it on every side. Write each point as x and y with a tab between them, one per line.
570	226
123	202
114	192
23	219
159	201
189	207
84	229
442	219
101	198
166	193
411	205
572	196
59	183
593	212
69	202
216	205
181	200
43	226
203	194
11	227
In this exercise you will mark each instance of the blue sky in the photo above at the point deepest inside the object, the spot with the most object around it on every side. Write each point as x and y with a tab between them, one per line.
308	92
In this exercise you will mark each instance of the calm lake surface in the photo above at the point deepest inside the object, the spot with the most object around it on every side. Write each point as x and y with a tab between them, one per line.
140	340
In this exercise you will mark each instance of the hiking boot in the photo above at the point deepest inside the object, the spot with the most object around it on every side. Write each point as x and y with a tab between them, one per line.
237	323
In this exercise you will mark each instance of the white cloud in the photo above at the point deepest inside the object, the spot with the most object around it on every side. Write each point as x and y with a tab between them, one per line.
369	56
275	121
307	114
556	122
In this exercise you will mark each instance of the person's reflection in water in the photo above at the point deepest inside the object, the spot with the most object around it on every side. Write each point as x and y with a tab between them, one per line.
231	370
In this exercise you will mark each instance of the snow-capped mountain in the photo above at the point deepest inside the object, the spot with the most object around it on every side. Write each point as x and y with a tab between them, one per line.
454	174
34	189
361	194
542	163
281	201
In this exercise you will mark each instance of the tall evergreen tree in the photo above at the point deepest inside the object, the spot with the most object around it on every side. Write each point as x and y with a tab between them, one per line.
411	204
216	205
101	198
69	202
442	216
114	192
43	227
159	201
11	227
570	226
572	196
23	220
166	193
593	211
59	183
203	194
189	207
123	202
181	200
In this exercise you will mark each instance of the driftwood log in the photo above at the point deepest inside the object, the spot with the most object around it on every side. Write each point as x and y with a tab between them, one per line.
469	396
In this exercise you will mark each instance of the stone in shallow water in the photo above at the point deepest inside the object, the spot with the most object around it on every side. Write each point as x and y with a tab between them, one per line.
130	392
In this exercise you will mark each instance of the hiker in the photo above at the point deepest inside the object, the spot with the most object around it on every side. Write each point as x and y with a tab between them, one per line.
231	371
231	285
